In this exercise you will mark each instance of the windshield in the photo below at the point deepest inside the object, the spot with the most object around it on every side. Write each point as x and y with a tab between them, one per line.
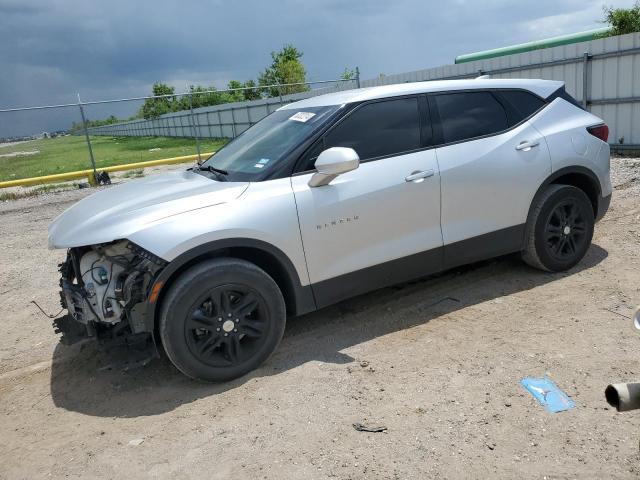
263	146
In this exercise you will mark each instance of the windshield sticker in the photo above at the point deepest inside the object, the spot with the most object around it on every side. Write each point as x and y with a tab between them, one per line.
302	116
259	165
264	161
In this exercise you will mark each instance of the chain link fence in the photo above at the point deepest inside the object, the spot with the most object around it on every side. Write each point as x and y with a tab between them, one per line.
192	132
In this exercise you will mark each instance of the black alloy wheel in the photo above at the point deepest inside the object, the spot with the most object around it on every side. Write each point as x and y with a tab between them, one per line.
226	325
221	319
566	230
559	228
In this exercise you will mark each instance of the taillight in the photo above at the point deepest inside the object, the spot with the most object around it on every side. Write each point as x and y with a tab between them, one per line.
600	131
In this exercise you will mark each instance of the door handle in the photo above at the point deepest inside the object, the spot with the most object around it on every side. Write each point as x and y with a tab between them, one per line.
526	146
419	176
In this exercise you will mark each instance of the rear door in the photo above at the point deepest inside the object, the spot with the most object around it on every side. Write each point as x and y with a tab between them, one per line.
373	226
492	161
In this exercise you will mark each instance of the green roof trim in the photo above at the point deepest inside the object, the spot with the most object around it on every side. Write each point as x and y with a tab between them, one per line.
536	45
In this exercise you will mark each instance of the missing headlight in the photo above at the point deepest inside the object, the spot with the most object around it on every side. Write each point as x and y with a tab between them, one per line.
103	287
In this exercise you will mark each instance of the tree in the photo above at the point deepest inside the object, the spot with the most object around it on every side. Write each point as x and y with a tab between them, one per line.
622	20
201	96
154	107
236	95
286	67
251	93
348	74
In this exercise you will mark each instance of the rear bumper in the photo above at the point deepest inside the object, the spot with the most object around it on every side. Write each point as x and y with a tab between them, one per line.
603	207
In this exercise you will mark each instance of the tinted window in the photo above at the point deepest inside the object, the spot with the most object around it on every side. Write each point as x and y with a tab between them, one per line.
521	104
309	158
469	114
378	129
562	93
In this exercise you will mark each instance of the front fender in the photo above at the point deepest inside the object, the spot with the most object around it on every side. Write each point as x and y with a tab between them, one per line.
265	218
266	212
303	300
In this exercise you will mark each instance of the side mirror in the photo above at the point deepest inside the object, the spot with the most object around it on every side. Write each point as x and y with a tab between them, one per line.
636	318
332	162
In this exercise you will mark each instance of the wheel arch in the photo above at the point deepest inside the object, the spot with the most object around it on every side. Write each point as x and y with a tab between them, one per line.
298	299
576	176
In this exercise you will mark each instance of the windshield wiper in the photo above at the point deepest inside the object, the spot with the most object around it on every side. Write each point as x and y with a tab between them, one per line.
209	168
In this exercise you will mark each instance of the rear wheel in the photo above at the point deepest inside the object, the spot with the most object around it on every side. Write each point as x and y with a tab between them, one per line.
221	319
559	230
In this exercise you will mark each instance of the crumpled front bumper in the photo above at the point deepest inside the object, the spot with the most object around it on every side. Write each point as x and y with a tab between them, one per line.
83	302
77	324
77	303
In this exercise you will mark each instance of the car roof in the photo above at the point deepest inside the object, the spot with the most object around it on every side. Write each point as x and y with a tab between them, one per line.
543	88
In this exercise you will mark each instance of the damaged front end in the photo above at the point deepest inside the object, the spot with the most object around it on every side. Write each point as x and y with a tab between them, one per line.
105	289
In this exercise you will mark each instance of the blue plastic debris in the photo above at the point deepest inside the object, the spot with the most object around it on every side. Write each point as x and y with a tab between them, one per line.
548	394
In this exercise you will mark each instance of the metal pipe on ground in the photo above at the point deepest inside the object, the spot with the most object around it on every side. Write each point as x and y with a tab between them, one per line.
623	396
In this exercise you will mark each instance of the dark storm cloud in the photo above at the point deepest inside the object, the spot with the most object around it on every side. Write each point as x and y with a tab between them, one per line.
49	50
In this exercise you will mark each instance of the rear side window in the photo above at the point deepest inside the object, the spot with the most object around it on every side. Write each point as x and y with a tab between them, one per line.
562	93
379	129
520	104
467	115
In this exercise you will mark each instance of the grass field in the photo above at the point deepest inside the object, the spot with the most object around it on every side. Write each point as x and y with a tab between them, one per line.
68	154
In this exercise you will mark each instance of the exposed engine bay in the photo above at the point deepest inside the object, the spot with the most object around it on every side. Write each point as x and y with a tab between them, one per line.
104	288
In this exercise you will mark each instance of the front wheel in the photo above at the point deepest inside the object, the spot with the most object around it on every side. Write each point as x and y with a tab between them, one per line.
559	229
221	319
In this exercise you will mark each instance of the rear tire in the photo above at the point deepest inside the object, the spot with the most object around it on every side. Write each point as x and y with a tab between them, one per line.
221	319
559	230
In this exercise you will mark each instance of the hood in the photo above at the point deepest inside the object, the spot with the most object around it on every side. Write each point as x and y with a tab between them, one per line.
117	212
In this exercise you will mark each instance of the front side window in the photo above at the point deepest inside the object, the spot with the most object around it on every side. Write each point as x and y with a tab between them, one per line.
467	115
266	144
379	129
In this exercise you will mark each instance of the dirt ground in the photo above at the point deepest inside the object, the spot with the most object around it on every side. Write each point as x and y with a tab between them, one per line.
437	362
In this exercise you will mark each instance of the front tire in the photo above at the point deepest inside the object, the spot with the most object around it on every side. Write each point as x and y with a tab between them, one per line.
221	319
559	230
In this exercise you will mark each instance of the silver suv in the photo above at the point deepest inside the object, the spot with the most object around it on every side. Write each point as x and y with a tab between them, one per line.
328	198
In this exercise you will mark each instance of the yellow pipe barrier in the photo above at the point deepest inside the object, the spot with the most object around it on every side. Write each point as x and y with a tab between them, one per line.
63	177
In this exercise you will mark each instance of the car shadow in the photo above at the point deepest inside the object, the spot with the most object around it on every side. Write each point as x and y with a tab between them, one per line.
81	380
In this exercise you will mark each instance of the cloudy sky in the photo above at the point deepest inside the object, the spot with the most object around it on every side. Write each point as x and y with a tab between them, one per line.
50	50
